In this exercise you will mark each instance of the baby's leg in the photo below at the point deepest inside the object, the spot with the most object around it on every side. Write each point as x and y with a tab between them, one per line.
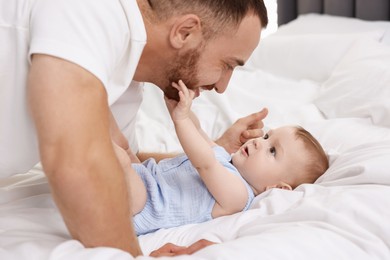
135	185
137	191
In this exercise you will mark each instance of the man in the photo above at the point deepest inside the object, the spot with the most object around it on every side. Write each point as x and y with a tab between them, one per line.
71	73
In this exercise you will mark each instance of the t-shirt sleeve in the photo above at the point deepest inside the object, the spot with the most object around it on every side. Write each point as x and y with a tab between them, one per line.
90	33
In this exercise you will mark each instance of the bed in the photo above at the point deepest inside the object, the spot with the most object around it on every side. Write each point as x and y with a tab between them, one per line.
327	73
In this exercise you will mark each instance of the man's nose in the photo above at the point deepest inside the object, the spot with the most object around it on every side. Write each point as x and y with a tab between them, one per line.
223	82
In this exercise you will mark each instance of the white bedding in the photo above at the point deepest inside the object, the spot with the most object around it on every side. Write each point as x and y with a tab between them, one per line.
344	215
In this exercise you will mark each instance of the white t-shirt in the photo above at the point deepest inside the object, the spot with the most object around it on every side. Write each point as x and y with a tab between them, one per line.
106	37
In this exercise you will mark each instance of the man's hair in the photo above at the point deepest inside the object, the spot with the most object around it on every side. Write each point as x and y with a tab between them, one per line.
317	162
215	15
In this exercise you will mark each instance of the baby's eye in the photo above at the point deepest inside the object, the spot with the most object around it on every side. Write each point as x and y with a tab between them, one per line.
272	150
265	136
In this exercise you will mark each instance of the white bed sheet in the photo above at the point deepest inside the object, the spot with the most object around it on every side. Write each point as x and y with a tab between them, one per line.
344	215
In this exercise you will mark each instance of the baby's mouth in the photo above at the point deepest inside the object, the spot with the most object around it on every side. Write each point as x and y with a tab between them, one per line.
245	151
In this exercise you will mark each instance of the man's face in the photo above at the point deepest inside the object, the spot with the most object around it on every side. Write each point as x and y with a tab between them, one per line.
211	65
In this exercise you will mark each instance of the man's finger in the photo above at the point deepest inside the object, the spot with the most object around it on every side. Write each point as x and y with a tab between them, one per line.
255	117
168	249
198	245
251	133
262	114
256	125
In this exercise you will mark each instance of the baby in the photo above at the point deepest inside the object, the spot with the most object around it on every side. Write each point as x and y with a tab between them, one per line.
207	182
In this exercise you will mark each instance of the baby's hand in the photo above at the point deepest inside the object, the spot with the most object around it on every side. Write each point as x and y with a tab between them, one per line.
180	110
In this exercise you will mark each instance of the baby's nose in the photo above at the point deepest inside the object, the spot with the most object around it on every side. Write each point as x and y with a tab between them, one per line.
257	143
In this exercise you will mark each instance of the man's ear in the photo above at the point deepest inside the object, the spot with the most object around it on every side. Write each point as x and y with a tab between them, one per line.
186	31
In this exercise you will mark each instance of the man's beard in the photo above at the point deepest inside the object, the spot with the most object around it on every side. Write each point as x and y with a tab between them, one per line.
185	68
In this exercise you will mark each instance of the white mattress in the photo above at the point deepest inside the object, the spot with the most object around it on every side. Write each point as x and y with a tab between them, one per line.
344	215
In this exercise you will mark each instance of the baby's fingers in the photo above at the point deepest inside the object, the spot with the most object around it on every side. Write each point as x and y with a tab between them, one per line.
183	88
189	93
184	92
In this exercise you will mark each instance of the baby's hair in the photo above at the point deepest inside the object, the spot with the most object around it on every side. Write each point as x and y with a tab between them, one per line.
317	162
216	15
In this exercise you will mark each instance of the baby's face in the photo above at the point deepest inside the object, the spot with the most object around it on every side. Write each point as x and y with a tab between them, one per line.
269	160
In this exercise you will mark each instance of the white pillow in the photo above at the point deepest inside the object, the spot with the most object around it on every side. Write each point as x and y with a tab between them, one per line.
323	23
307	56
359	85
341	134
363	164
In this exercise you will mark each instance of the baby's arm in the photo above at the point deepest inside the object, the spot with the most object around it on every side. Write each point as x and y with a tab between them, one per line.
196	123
227	189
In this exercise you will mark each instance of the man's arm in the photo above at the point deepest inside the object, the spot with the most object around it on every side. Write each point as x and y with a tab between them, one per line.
71	114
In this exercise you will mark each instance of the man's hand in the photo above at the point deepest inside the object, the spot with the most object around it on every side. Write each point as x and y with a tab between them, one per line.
242	130
170	249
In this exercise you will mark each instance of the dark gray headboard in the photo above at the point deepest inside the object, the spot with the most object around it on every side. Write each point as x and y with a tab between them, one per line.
363	9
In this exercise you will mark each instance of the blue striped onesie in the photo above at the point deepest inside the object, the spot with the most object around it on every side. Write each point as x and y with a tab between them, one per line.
176	193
